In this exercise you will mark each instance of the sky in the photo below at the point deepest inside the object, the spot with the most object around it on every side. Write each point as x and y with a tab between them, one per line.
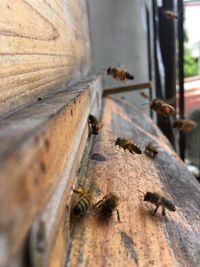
192	23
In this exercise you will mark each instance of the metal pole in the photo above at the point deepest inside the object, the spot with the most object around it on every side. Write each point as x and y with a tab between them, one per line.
182	140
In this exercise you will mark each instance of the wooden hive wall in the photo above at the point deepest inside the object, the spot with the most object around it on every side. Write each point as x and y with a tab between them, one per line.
44	45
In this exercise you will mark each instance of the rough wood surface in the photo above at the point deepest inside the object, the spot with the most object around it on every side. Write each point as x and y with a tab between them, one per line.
40	145
44	44
141	239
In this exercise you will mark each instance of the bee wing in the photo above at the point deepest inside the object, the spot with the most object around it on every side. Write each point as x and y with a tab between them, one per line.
169	108
91	190
171	14
121	66
170	101
101	125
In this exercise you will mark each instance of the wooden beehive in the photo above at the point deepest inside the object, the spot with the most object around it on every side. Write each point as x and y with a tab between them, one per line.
47	91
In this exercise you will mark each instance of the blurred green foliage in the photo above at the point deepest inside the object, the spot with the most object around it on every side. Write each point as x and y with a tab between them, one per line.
190	64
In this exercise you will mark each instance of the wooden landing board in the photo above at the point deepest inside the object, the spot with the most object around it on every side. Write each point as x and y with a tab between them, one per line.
44	44
41	148
141	239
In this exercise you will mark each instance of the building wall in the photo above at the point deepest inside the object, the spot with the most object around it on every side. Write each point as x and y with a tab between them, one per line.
119	37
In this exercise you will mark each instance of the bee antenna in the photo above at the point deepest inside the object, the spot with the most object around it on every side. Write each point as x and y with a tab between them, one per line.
140	192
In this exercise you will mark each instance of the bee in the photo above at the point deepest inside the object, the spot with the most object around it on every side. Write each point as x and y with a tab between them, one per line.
151	150
83	202
126	144
161	107
107	205
119	73
94	124
144	95
184	125
158	200
170	14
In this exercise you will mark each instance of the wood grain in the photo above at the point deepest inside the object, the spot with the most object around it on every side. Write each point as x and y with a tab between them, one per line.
40	145
44	44
56	217
141	239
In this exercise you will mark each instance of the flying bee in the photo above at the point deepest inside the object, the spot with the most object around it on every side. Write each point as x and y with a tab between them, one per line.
107	205
151	150
158	200
126	144
119	73
94	124
184	125
144	95
83	202
161	107
170	14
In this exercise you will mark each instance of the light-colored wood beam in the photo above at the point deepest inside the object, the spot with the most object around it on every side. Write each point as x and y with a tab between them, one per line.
44	46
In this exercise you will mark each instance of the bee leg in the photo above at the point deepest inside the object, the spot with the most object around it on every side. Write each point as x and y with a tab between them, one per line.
99	202
118	217
97	206
155	210
90	130
163	211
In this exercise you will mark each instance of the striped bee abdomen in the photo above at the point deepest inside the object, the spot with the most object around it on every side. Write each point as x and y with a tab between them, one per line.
168	204
82	206
136	149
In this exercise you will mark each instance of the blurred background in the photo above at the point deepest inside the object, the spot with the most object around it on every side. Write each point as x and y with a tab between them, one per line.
137	35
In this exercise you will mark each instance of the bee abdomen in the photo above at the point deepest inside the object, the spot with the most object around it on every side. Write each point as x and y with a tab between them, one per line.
136	149
82	206
129	76
169	204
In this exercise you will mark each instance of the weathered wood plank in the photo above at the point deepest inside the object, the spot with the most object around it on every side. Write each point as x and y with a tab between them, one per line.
140	239
39	146
55	219
56	216
44	44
